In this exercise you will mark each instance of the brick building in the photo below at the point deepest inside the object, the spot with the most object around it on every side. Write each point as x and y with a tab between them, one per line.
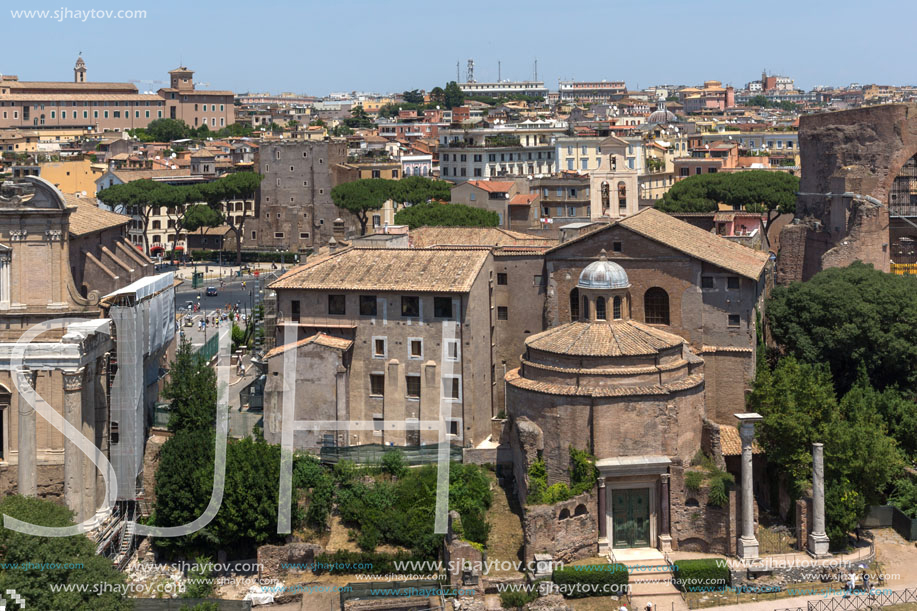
294	210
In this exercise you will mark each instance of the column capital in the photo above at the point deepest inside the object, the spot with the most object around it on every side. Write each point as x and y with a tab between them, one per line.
664	477
73	380
601	481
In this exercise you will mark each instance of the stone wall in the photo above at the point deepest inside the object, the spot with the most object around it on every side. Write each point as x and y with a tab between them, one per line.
526	443
567	530
49	482
803	523
697	526
270	557
857	151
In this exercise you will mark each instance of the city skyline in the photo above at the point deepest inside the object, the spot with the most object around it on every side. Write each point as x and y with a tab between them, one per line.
381	52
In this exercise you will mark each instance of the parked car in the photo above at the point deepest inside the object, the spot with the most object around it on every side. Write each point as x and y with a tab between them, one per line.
211	291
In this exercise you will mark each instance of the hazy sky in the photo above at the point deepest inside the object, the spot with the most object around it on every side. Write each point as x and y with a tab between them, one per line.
384	45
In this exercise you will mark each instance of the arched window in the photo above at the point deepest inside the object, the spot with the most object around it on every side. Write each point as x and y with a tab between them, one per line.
585	308
574	304
616	308
622	195
600	308
656	306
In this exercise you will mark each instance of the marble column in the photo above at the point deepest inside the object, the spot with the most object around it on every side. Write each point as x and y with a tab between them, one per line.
818	539
603	511
73	461
665	536
748	543
27	446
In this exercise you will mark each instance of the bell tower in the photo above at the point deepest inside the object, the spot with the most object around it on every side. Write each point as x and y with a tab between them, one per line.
79	70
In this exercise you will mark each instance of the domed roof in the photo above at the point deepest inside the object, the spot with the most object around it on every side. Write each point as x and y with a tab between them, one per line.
661	115
603	274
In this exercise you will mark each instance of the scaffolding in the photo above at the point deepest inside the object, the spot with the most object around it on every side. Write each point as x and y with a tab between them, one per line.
902	197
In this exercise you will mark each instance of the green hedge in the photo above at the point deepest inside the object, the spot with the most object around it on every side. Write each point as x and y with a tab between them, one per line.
701	575
345	562
591	580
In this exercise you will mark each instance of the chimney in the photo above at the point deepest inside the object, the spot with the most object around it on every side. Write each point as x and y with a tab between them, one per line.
338	228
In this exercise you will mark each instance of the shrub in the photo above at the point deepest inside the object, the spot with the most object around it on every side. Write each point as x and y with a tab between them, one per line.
694	480
393	463
475	528
704	574
592	580
514	599
719	485
583	471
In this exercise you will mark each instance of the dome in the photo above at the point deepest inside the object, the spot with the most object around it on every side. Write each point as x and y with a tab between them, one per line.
661	115
603	274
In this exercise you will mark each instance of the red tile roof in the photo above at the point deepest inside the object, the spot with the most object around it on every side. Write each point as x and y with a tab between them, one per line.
493	186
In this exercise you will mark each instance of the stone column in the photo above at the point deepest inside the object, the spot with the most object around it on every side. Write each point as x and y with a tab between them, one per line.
27	446
818	539
665	536
603	517
748	544
73	457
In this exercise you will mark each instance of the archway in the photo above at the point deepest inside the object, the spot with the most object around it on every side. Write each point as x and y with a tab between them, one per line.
656	306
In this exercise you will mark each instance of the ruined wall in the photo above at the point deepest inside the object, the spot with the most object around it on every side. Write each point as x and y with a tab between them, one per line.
568	530
526	444
854	151
697	526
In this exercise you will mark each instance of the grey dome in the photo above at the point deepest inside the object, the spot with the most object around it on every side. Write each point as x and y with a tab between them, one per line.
661	115
603	274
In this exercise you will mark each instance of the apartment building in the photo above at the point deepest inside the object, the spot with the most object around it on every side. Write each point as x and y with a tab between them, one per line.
527	149
197	107
591	91
395	336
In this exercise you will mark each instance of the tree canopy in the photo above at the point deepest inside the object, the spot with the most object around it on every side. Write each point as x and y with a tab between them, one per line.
76	553
414	96
850	318
799	406
191	390
753	190
202	216
167	130
361	196
453	95
446	215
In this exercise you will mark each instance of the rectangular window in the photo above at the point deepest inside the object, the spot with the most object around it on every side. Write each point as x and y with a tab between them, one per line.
453	427
501	278
336	305
415	345
536	280
377	387
732	282
616	246
442	307
367	305
412	386
734	320
380	348
502	313
452	387
304	236
294	310
706	282
410	306
452	350
278	234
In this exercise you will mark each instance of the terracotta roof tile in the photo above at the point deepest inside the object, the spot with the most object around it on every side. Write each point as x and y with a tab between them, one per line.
424	237
514	379
691	240
731	442
613	338
493	186
88	217
523	199
414	270
322	339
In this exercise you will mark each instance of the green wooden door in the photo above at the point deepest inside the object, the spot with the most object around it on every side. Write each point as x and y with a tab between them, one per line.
631	517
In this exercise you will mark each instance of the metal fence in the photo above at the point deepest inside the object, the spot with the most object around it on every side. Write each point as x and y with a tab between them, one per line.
210	347
776	541
875	599
373	453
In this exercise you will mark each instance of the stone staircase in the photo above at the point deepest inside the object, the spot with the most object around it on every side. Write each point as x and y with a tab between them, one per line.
650	580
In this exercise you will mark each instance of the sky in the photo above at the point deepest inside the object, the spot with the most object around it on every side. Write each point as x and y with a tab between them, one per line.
317	48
